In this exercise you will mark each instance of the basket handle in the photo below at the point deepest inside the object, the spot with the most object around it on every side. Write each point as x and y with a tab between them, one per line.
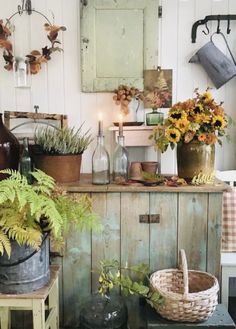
184	267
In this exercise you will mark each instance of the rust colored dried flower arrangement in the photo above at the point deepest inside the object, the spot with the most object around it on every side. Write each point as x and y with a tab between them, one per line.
35	57
123	96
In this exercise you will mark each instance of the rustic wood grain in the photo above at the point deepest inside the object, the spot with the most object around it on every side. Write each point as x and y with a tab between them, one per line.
215	204
134	238
105	245
163	236
192	228
76	273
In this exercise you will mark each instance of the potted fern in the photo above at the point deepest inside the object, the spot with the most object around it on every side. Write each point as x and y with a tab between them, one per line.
29	215
58	152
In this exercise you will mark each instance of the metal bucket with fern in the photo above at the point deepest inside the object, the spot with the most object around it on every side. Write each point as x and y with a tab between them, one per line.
26	270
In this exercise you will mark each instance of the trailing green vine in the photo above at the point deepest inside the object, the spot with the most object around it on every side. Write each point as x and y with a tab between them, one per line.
111	275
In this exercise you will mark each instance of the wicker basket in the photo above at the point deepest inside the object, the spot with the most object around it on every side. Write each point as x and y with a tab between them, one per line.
189	296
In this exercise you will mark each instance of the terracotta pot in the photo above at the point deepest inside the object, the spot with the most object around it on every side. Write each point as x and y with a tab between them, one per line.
63	168
194	158
9	149
150	167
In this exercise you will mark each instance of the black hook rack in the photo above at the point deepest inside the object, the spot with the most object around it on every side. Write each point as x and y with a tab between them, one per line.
25	6
217	18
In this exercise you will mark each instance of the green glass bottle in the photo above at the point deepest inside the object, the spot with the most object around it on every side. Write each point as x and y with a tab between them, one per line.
25	161
154	118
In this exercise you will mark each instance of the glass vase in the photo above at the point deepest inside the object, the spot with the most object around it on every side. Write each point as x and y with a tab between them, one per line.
100	164
120	161
104	312
154	118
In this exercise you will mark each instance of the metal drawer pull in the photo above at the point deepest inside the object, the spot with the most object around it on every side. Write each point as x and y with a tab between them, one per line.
149	219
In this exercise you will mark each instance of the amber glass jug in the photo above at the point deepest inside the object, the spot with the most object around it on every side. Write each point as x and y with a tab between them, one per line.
9	149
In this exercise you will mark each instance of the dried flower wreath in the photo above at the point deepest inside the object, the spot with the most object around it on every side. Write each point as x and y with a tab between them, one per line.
35	58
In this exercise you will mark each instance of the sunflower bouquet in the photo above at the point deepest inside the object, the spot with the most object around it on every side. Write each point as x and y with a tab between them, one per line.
200	119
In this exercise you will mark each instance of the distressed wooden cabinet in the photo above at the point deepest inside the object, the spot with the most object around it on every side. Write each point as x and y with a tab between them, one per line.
118	41
188	217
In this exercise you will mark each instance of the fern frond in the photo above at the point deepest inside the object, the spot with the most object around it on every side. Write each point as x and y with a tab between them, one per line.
45	184
5	244
25	236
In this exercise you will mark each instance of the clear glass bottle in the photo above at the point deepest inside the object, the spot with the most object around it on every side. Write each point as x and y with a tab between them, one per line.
120	161
100	163
25	161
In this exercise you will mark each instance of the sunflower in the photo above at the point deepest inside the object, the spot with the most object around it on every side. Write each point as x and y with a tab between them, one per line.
206	97
197	109
182	125
176	115
218	122
173	135
202	118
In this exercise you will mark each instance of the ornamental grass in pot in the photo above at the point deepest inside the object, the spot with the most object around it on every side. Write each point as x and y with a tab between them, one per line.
30	215
58	152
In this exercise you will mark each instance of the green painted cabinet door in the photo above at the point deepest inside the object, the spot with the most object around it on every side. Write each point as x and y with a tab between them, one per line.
118	41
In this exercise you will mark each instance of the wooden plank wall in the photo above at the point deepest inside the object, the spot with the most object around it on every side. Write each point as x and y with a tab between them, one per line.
57	87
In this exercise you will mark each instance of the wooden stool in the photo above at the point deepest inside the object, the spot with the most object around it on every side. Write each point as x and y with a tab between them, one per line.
34	301
219	319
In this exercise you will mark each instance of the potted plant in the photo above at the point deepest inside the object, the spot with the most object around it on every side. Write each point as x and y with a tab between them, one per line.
58	152
29	214
194	126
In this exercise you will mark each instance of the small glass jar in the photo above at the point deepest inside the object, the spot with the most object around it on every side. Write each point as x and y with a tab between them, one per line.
21	69
154	118
100	163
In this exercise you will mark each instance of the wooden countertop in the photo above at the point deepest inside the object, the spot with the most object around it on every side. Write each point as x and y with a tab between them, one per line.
85	185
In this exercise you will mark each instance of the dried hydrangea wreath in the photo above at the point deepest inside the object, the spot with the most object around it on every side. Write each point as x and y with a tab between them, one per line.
35	57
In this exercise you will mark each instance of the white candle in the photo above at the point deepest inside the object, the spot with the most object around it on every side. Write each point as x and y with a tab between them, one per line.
121	125
100	125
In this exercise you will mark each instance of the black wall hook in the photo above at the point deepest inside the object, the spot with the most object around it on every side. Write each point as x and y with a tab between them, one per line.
25	6
228	26
218	24
207	28
217	18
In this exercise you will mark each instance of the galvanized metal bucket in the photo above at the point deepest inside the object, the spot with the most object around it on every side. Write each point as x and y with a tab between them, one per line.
26	270
217	65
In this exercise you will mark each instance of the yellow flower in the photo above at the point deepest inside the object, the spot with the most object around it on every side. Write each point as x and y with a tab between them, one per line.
176	115
207	97
202	118
182	125
173	135
197	109
218	122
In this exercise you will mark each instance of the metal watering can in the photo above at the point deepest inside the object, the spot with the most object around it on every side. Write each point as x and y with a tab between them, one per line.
219	67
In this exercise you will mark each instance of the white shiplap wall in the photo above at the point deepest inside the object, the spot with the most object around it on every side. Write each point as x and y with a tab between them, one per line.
56	89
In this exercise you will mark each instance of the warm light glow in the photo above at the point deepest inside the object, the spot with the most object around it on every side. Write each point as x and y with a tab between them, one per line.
100	116
120	118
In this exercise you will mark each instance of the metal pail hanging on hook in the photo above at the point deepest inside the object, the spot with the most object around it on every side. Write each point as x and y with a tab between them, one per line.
217	65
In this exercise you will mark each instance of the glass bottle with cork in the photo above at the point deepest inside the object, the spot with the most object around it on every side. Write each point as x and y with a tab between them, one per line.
25	161
100	160
121	158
